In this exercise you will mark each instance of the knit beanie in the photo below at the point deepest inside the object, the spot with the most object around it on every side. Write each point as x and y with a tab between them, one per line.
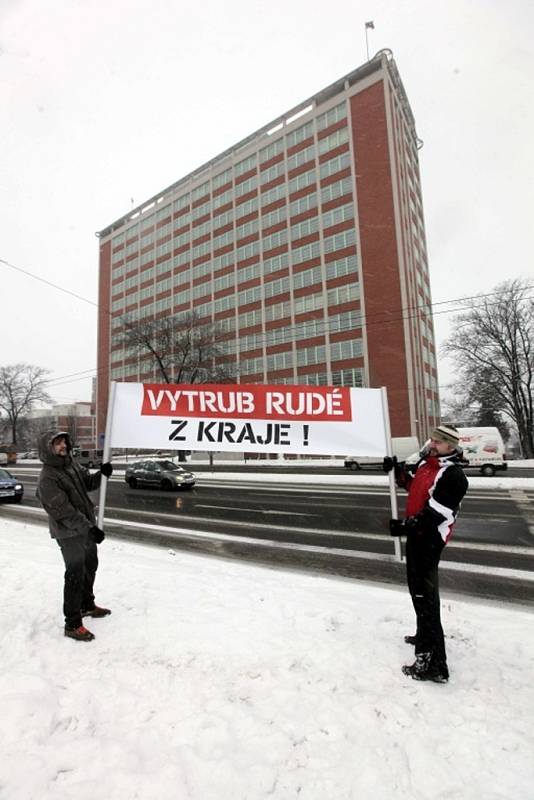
446	433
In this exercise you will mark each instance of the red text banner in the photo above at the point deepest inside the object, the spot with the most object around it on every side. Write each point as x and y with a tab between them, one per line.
276	403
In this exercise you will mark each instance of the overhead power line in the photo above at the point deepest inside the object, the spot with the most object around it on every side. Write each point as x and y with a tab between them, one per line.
405	313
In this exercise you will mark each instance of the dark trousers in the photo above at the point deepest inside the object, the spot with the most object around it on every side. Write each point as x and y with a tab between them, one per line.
81	563
423	552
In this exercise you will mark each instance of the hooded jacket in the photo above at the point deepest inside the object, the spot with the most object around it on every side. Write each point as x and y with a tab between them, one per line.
63	490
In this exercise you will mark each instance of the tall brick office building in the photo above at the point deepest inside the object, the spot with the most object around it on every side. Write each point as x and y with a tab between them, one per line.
305	241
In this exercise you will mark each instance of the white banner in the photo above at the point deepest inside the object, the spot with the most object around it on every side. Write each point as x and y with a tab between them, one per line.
329	420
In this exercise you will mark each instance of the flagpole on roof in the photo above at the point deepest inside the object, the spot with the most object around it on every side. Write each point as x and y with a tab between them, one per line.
368	25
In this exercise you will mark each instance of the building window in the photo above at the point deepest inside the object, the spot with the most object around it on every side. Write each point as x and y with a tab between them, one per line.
305	228
337	215
275	263
307	356
330	117
342	351
181	202
245	165
307	277
302	157
309	302
299	134
274	240
306	253
343	294
341	267
247	186
334	165
302	180
348	377
334	140
340	240
201	191
336	189
273	288
303	204
273	149
273	172
222	178
276	193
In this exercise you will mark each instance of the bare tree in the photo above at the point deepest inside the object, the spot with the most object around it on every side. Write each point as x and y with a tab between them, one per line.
21	386
493	345
183	348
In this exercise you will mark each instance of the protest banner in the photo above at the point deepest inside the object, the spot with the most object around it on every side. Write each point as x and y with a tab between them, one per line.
317	420
278	418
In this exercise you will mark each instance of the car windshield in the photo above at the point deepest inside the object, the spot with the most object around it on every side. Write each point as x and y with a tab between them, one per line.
4	474
169	466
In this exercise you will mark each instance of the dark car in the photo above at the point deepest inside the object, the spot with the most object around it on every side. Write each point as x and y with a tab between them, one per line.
10	488
162	474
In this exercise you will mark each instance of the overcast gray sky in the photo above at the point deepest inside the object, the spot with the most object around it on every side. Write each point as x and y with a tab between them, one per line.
107	101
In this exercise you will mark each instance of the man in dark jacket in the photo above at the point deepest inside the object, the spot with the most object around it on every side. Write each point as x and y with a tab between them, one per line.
63	491
435	487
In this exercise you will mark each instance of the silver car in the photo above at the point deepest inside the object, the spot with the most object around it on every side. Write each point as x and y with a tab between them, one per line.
162	474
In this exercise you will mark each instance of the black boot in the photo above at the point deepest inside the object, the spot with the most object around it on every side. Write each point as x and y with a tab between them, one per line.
81	634
425	668
95	611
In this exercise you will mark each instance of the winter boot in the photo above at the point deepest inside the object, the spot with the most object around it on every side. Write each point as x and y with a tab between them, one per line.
96	611
81	634
425	668
410	640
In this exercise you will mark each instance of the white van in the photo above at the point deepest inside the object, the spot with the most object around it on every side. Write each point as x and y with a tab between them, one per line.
402	446
483	448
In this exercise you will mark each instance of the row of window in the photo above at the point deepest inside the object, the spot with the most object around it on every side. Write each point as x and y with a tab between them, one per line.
183	292
269	196
312	302
299	255
304	357
331	192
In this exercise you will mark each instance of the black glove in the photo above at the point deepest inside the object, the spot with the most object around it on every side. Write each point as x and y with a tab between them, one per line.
397	527
97	534
106	469
412	523
389	463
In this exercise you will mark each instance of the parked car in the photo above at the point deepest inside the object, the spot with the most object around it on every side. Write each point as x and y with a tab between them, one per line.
162	474
29	454
10	488
88	458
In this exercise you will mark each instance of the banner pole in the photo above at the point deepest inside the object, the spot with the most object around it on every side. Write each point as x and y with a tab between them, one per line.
106	454
391	473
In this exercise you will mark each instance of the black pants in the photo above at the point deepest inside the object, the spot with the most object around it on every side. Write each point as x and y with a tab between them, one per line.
423	552
81	563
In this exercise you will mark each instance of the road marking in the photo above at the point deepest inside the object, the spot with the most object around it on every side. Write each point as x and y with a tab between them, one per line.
310	548
453	544
525	505
247	510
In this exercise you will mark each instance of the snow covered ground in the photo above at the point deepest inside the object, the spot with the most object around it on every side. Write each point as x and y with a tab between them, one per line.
216	680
